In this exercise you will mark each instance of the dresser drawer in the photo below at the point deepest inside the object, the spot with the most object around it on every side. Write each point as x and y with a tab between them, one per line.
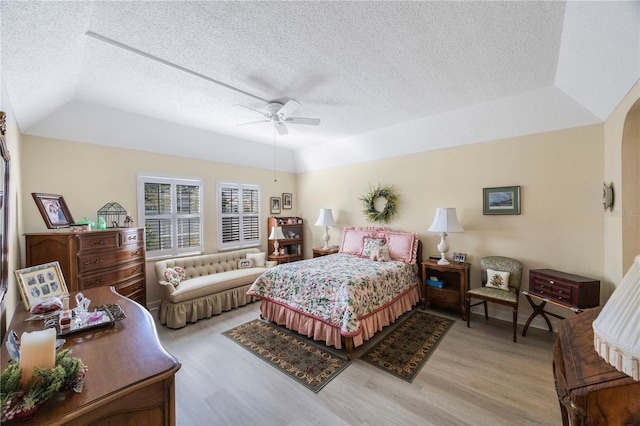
130	287
112	276
96	261
131	237
98	241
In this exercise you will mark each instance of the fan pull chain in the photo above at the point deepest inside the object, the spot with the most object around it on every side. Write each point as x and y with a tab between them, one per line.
275	156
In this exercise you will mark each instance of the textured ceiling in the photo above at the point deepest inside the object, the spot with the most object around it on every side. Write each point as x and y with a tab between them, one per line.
361	67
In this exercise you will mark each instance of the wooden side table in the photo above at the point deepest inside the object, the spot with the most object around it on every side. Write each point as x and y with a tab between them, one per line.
455	278
317	252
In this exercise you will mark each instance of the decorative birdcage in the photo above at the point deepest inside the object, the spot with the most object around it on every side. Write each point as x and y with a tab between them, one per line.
114	215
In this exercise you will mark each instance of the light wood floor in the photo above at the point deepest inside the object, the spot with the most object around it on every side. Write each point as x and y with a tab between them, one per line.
477	376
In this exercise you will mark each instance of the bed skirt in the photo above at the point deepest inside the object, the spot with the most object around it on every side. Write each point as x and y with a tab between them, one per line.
321	330
177	315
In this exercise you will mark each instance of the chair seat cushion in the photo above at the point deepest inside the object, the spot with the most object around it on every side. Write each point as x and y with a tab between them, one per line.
494	293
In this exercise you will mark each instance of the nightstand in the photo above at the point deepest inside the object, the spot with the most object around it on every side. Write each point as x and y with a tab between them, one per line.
317	252
455	280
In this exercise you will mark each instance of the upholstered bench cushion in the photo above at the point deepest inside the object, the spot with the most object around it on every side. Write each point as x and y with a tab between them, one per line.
215	283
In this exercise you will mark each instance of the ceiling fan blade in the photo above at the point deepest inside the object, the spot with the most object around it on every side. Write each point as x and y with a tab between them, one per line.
289	108
303	120
254	122
281	128
252	109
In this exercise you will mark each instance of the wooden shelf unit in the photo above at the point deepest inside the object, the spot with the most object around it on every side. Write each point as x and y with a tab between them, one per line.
293	230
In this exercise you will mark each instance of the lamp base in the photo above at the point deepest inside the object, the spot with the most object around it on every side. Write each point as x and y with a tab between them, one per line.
326	237
276	248
443	247
443	260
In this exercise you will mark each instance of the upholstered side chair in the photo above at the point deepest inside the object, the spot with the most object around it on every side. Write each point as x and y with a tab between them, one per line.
508	296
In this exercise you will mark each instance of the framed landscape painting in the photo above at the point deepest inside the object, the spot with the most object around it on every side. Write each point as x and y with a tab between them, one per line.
501	200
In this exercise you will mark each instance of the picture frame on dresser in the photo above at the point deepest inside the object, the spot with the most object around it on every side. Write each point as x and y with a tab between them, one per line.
41	282
503	200
53	209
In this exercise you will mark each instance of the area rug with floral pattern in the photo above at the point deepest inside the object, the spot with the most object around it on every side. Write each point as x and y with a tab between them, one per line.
296	356
405	349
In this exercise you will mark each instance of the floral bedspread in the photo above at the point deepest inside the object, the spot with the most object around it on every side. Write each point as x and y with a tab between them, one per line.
339	288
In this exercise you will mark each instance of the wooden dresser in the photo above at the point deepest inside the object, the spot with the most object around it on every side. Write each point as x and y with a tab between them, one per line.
564	288
130	378
590	390
113	257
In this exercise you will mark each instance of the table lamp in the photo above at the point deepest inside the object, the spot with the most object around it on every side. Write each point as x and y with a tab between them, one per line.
325	219
616	330
445	221
276	234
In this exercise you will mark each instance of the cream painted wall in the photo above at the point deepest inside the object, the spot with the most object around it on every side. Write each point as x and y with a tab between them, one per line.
560	174
613	132
89	176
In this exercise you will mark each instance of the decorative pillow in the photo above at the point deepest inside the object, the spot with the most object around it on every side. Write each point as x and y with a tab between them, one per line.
368	244
498	279
380	253
352	240
175	275
403	246
258	259
245	263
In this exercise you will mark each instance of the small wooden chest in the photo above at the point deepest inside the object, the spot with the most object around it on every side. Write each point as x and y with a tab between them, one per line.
566	289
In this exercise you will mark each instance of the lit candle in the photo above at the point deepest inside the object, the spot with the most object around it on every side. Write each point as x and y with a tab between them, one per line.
37	349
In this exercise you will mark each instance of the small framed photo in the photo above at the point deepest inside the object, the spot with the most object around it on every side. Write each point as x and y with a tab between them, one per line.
41	282
287	201
501	200
245	263
53	209
275	205
460	257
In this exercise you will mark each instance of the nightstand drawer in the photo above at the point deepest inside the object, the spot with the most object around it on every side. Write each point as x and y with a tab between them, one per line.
444	296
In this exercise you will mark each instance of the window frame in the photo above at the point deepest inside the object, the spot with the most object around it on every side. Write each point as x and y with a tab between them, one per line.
173	216
241	244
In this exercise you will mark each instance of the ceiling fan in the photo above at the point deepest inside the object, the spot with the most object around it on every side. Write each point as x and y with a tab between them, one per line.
279	114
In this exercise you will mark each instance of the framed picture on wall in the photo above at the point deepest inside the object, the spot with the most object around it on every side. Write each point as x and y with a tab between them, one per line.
501	200
275	205
287	201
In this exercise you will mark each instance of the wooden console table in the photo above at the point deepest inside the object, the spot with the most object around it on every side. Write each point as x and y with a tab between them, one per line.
130	380
590	391
561	289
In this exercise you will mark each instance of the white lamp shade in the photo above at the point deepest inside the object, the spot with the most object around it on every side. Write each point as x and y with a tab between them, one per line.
446	221
616	330
325	218
276	233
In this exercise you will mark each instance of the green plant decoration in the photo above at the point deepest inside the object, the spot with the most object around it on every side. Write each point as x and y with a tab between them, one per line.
369	200
16	400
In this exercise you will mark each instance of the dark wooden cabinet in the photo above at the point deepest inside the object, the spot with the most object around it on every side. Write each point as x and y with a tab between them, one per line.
590	391
455	279
566	289
113	257
293	230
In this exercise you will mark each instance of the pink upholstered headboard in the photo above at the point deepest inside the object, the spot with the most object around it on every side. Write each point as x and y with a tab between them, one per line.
403	246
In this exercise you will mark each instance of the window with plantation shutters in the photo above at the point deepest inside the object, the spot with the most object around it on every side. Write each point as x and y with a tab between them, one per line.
238	216
171	209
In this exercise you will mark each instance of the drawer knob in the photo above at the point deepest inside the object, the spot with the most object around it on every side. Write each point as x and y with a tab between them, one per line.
92	283
132	237
94	262
136	270
551	282
97	242
135	253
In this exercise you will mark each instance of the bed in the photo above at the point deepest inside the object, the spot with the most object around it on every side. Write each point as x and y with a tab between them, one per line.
348	296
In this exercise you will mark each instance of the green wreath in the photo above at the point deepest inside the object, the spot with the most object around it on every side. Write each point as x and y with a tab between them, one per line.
369	199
